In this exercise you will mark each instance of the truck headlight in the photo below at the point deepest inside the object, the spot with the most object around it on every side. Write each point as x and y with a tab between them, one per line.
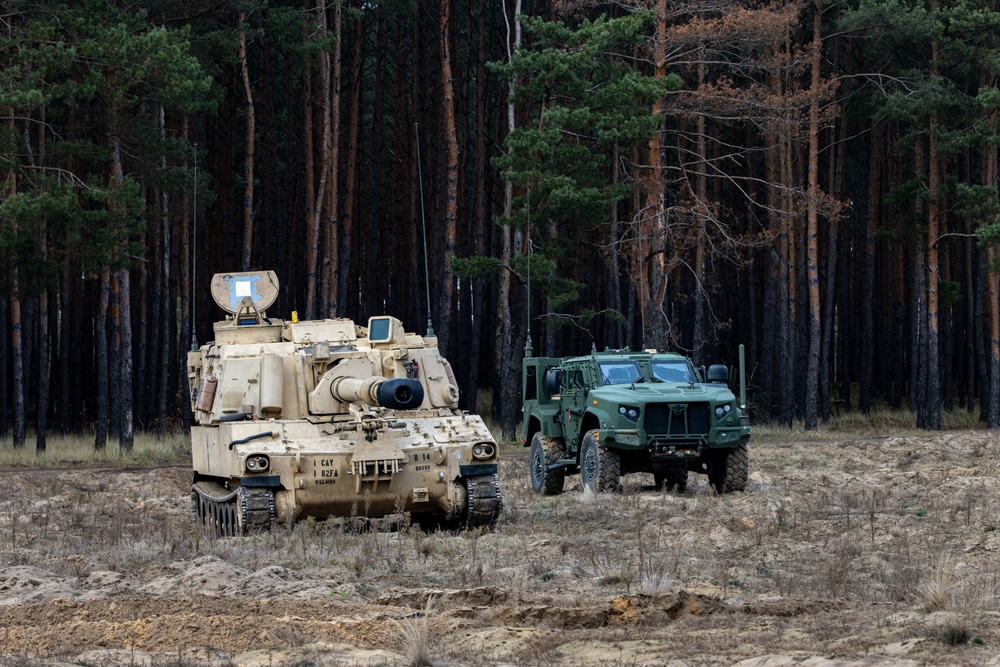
629	412
722	410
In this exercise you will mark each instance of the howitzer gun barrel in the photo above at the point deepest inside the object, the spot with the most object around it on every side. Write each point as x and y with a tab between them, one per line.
393	393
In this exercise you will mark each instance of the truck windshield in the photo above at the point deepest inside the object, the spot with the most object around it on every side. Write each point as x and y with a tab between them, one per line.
671	371
619	372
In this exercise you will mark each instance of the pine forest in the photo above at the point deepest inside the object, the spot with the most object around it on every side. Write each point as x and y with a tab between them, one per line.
813	179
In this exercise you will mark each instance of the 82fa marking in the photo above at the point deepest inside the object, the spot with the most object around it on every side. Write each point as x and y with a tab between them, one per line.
325	473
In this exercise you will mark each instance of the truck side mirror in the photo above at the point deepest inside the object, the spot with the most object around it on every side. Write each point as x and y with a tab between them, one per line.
718	373
552	381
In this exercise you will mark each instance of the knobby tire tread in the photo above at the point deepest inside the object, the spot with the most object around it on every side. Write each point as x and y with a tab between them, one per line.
555	479
737	469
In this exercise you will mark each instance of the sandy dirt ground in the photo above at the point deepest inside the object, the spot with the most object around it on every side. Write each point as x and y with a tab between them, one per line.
862	553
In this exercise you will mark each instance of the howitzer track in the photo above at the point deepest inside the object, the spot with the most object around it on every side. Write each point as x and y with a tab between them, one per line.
231	513
483	501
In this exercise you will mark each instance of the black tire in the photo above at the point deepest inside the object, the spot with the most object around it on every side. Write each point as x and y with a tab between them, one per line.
545	452
600	467
671	480
737	469
729	469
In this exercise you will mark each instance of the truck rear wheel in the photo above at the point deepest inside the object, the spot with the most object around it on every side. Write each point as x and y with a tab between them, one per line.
600	467
545	451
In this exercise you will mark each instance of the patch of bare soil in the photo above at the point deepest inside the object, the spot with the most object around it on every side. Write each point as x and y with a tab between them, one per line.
862	553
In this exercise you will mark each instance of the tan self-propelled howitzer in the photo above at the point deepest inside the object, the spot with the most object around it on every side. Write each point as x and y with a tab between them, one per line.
329	419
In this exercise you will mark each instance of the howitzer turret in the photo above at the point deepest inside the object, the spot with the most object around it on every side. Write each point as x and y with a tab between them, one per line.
305	419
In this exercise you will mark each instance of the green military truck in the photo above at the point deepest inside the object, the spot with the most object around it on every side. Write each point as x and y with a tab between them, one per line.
618	412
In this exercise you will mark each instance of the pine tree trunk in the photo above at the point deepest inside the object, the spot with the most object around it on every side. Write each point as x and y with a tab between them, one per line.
481	228
148	308
375	177
126	432
186	332
447	280
613	329
42	422
991	409
972	350
786	286
701	187
946	337
917	302
981	333
812	231
345	275
918	350
42	419
506	369
167	315
330	286
649	262
875	179
933	402
82	332
4	377
65	362
312	219
769	383
101	437
17	357
248	170
837	160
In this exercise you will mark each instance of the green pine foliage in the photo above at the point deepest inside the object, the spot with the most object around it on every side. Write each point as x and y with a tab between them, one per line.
91	77
586	98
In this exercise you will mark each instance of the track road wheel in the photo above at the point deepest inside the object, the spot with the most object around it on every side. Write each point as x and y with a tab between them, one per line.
600	467
545	452
671	480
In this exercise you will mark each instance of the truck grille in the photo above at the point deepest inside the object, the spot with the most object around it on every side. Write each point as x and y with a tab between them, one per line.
677	419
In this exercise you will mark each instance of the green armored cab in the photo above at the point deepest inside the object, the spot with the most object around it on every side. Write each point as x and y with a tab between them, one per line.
328	418
618	412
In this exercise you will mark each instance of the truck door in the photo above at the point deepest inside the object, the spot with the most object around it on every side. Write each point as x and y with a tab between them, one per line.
572	399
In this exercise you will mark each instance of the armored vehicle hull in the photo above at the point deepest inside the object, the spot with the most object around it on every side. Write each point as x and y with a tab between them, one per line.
330	419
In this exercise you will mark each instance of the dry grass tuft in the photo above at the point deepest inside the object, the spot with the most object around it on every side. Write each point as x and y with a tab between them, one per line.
611	569
61	450
415	635
880	422
936	593
654	577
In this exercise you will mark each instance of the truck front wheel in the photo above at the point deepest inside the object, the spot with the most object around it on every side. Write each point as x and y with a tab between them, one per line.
729	469
600	467
545	452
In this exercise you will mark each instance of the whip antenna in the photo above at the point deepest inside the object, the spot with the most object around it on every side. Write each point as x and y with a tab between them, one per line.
194	253
423	222
527	237
642	298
